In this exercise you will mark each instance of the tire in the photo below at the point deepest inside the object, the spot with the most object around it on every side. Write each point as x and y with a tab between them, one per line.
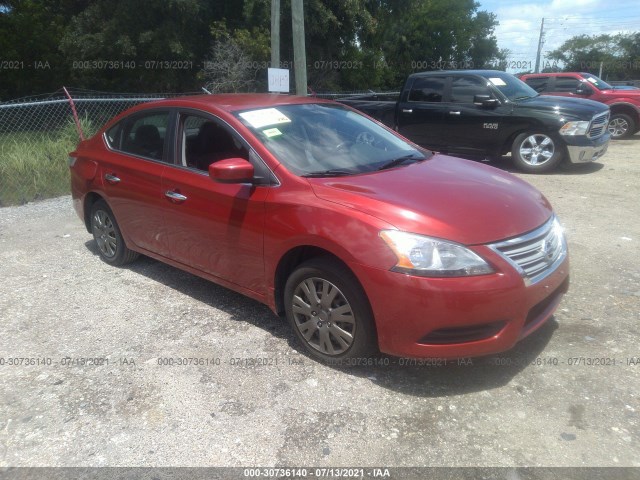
536	152
621	126
108	237
339	326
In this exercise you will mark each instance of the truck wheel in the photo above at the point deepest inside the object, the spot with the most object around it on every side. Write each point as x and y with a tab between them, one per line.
535	152
621	126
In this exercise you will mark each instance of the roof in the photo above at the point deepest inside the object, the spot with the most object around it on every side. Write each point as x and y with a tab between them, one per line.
482	73
237	101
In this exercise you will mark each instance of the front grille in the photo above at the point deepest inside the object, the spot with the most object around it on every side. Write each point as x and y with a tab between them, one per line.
599	125
536	254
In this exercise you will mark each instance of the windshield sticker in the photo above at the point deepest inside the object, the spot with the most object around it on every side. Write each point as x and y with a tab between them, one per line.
267	116
592	80
272	132
498	82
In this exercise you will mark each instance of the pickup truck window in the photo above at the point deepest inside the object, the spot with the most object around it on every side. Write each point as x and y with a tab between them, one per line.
539	84
430	89
463	89
566	84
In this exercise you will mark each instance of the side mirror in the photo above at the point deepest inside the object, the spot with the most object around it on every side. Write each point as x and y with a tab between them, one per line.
583	90
485	101
232	170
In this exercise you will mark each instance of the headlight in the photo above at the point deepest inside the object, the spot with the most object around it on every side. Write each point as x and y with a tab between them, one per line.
432	257
574	128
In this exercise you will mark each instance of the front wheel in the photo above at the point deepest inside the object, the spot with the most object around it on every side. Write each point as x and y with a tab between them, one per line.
107	235
536	152
329	311
621	126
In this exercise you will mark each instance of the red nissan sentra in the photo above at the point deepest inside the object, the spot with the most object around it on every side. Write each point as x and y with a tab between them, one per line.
362	239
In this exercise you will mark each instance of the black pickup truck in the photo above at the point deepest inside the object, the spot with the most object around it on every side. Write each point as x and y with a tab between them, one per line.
487	114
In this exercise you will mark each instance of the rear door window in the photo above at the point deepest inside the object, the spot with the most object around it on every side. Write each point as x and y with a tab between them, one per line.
539	84
428	89
143	135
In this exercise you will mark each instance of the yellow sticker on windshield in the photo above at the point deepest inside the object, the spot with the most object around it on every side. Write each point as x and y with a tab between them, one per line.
272	132
264	117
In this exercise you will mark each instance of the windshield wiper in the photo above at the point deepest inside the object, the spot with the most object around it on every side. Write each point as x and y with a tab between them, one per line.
334	172
524	97
400	160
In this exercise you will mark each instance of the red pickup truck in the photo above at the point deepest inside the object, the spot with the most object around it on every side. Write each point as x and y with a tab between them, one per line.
624	103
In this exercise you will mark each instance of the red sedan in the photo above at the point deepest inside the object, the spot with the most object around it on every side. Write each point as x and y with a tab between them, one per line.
362	239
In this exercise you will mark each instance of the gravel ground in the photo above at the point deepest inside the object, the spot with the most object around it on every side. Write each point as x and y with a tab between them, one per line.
534	406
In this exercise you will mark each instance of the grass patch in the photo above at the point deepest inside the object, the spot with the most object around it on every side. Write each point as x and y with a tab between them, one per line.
33	165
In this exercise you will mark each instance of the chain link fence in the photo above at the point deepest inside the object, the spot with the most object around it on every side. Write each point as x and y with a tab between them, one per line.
37	133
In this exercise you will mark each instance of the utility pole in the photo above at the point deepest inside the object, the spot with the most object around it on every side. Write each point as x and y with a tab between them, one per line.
275	33
299	52
540	42
600	72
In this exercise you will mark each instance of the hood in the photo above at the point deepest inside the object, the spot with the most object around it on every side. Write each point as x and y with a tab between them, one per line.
564	106
443	197
631	92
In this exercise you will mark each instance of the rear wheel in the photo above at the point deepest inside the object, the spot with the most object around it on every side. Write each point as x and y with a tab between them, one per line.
621	126
536	152
329	311
107	235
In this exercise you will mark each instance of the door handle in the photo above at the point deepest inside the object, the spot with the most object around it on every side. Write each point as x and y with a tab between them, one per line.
454	112
112	179
175	196
407	110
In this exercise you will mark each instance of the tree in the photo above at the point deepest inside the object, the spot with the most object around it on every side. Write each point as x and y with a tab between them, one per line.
151	45
619	55
140	45
238	60
30	32
414	35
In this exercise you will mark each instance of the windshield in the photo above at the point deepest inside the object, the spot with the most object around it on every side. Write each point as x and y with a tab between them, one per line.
327	140
600	84
511	87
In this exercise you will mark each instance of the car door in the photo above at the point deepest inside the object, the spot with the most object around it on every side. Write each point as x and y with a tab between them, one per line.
471	128
420	113
131	173
214	227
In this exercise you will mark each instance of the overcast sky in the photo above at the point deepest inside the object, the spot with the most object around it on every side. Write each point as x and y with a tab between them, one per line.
519	27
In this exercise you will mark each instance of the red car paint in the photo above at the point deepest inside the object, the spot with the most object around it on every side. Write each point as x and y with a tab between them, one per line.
239	235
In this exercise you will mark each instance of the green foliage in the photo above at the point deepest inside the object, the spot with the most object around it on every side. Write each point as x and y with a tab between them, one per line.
415	35
619	55
34	165
151	45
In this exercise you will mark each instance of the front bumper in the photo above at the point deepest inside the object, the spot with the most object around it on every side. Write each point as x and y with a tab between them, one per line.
588	150
459	317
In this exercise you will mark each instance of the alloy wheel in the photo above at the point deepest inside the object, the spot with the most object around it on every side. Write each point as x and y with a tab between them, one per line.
618	127
104	233
537	149
323	316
